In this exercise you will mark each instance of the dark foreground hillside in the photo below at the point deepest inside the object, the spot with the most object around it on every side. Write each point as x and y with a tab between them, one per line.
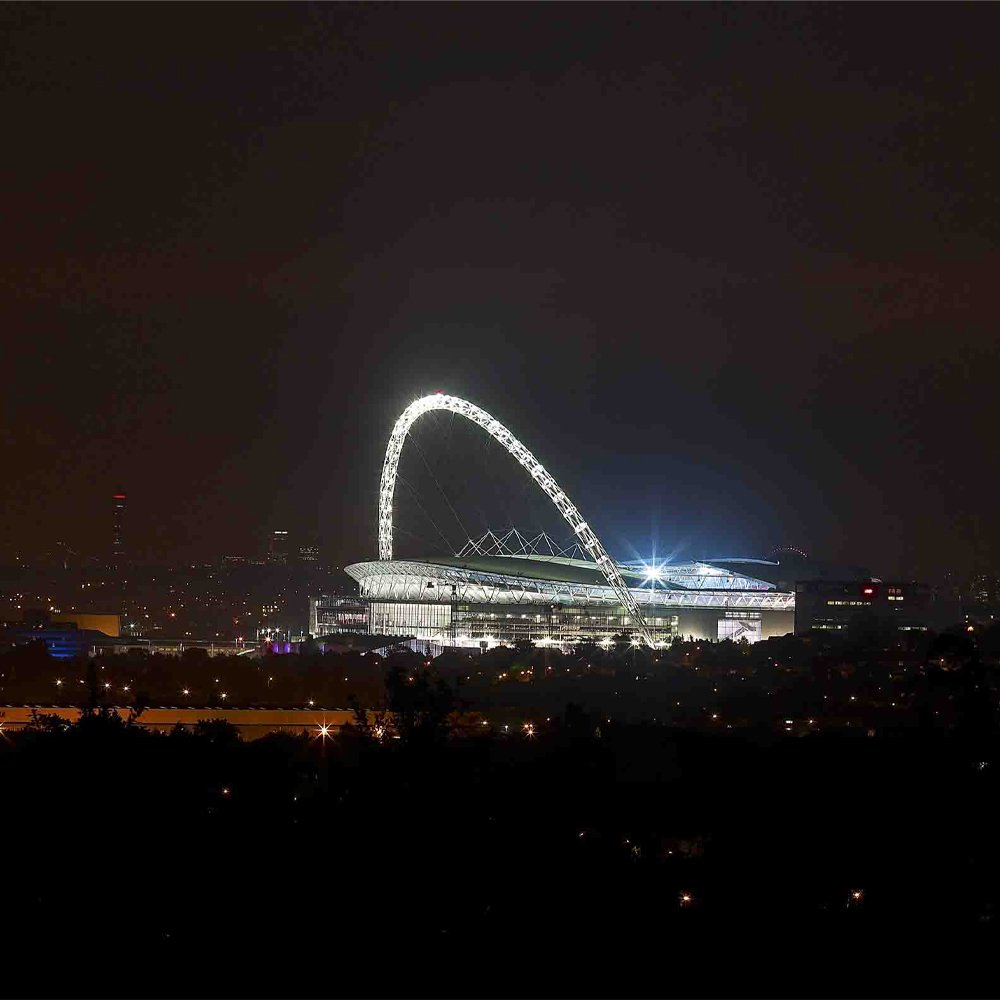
591	860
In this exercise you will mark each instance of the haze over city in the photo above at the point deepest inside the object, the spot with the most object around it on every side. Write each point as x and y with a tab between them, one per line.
725	266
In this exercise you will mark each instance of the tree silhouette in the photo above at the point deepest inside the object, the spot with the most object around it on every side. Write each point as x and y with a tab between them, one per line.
420	705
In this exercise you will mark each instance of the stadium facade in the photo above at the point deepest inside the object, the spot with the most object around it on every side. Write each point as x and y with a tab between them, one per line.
485	596
503	590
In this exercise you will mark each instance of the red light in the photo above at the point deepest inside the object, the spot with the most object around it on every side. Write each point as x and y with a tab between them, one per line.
119	496
868	591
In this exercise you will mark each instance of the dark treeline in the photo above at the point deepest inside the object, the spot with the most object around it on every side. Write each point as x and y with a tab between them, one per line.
592	857
862	681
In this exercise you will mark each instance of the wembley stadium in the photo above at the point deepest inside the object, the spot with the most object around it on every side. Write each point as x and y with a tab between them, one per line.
504	589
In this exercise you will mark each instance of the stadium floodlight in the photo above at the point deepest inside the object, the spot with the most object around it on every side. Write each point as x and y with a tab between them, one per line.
652	572
534	468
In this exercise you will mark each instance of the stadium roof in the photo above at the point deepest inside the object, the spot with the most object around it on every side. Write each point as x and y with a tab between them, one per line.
535	567
680	576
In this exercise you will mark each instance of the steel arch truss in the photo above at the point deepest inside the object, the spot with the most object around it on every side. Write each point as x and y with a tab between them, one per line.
588	540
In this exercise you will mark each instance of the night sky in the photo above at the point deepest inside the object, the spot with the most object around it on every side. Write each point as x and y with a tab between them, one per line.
729	271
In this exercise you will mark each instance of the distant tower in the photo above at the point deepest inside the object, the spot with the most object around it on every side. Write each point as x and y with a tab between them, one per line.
277	547
308	553
118	516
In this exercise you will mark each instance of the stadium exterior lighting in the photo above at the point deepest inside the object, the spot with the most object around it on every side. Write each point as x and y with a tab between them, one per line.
588	540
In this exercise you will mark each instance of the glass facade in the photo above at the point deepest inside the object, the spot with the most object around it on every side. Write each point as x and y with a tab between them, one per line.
336	615
479	625
738	625
424	621
558	623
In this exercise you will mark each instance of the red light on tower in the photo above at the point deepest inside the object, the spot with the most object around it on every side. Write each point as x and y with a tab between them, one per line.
868	591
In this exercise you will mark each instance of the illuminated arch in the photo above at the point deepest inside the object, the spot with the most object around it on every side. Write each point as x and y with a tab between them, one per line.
496	430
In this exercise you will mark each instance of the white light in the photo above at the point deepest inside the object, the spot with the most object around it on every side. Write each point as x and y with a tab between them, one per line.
493	427
652	572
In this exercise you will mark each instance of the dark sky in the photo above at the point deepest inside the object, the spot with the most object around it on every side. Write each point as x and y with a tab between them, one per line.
729	271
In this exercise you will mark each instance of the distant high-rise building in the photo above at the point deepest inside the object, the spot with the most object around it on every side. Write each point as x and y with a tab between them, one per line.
277	547
309	553
118	517
844	605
